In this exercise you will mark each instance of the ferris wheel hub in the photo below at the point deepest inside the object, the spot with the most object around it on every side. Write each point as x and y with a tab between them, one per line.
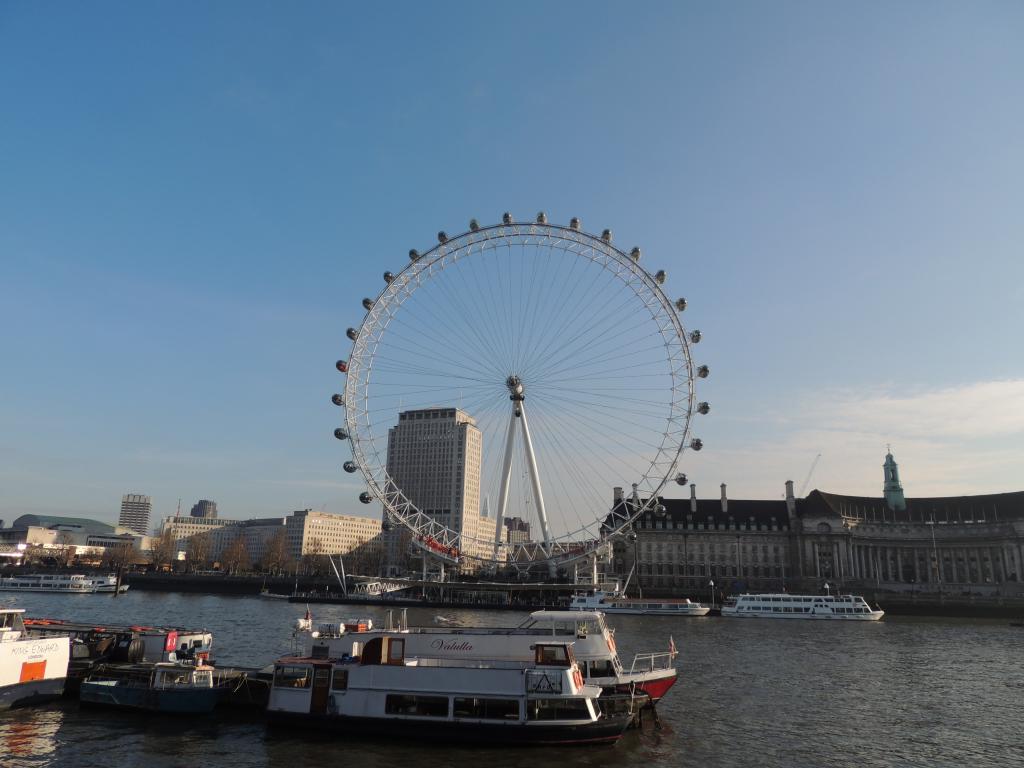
517	392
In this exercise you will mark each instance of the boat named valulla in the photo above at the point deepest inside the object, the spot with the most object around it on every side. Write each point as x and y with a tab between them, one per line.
785	606
594	647
32	668
377	690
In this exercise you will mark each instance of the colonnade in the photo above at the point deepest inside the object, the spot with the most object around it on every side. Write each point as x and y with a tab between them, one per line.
919	563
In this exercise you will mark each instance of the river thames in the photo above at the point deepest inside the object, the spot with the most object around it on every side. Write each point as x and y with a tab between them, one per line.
902	691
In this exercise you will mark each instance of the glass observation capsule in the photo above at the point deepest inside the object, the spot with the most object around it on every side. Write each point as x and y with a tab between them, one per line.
365	497
342	366
337	400
341	434
350	467
696	443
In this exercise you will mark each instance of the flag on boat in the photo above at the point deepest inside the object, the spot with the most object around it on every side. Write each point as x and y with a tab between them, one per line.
672	648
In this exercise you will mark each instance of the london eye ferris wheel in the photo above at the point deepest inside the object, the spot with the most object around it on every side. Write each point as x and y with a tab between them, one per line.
559	352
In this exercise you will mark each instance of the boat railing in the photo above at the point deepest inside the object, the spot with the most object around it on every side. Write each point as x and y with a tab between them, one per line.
651	662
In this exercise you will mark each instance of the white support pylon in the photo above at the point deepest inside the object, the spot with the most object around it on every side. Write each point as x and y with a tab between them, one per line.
506	476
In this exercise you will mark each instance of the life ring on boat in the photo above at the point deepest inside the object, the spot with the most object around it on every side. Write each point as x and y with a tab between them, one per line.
577	678
611	642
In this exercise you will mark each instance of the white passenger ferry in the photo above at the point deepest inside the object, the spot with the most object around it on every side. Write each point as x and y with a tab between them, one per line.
378	688
32	668
612	602
785	606
652	673
75	583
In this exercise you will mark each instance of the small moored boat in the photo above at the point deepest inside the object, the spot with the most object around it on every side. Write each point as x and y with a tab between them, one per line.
169	687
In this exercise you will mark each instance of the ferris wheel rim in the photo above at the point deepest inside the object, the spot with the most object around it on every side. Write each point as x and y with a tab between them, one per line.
400	286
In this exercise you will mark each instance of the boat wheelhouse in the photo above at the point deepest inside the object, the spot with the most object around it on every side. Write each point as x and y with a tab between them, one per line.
378	688
785	606
75	583
612	602
594	647
32	668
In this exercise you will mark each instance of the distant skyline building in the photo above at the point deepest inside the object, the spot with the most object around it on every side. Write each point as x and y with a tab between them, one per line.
135	512
517	530
434	457
204	508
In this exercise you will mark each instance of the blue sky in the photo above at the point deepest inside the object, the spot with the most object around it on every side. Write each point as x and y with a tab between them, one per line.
194	198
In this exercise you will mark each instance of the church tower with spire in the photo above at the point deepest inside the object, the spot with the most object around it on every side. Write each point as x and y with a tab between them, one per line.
892	488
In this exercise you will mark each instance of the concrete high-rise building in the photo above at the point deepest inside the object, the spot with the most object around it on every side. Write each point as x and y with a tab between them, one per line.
135	512
434	456
204	508
517	530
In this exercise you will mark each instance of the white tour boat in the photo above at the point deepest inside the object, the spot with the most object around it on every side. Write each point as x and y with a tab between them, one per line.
785	606
651	673
32	668
75	583
613	602
379	688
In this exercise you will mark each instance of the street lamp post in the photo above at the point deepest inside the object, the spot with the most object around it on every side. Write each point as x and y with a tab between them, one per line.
827	588
935	556
711	588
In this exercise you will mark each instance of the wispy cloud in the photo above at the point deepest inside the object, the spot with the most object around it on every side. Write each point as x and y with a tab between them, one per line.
954	440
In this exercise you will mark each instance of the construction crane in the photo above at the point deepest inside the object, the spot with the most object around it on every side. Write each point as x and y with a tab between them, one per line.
808	478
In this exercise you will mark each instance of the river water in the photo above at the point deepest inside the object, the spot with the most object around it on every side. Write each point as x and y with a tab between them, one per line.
903	691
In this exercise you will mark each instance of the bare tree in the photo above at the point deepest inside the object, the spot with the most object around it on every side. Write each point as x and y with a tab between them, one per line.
165	549
277	557
312	559
118	556
65	550
197	552
236	555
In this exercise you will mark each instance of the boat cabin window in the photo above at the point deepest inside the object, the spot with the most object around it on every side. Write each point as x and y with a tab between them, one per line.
602	669
557	709
486	709
286	676
340	682
551	655
417	706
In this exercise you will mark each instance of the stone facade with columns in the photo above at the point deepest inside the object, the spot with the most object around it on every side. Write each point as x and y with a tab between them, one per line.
955	544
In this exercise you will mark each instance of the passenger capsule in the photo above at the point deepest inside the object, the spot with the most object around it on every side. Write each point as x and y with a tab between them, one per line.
506	218
342	366
680	304
388	277
367	304
703	371
414	255
680	479
574	223
660	276
341	434
695	337
696	443
542	218
660	510
352	333
349	466
474	225
703	409
442	237
635	254
338	400
365	497
607	235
